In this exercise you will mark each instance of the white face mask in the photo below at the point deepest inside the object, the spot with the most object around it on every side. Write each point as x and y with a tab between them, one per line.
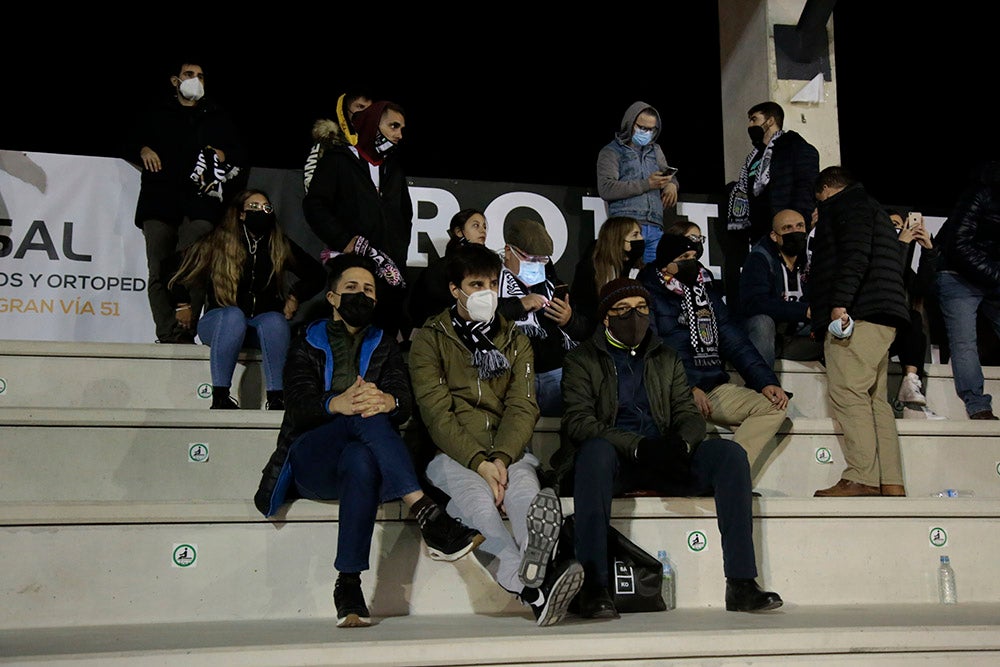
531	273
482	305
192	89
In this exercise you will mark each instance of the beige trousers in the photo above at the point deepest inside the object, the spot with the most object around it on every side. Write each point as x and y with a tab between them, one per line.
856	372
751	415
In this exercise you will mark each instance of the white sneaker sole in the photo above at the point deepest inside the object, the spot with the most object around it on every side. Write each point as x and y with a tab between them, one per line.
544	523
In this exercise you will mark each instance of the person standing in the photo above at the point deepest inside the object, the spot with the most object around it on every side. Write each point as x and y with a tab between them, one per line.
778	173
858	301
968	283
633	175
192	159
359	202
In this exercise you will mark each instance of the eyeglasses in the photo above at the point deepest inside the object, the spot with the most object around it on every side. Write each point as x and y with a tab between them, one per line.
696	238
542	259
257	206
644	129
621	311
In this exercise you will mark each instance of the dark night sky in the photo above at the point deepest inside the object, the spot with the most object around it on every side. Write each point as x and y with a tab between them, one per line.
516	98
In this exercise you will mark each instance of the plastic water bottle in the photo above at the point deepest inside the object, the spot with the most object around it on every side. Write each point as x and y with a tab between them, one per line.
668	588
946	582
954	493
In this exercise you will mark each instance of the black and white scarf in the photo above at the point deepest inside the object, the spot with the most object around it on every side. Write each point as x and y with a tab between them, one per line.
699	316
385	268
510	286
739	201
478	339
210	173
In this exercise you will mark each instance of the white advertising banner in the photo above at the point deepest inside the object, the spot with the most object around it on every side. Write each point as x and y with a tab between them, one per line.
72	261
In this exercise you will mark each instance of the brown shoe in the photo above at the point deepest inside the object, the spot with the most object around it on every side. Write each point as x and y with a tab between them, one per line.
846	488
893	490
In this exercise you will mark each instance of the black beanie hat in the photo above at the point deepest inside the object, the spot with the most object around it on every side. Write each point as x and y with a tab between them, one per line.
672	246
616	290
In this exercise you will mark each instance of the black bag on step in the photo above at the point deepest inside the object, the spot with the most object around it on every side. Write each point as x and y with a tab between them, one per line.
634	576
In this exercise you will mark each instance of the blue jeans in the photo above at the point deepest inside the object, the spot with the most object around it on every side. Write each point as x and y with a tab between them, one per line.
960	302
548	392
652	234
227	330
360	461
718	466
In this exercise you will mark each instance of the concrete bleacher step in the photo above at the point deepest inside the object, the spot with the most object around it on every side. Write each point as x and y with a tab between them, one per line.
794	636
807	381
813	552
108	455
118	375
135	375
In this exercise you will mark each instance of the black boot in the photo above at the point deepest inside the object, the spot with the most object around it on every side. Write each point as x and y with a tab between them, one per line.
221	400
275	400
746	595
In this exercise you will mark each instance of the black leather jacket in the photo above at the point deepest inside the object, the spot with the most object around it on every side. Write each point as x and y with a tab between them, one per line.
969	240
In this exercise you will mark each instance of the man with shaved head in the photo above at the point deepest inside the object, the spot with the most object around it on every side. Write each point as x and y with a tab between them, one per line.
773	292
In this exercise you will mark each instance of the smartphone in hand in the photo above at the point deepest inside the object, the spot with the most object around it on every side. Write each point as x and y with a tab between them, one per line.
914	219
560	291
669	171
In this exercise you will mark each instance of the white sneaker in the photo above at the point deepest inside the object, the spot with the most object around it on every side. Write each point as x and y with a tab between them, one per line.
920	412
909	390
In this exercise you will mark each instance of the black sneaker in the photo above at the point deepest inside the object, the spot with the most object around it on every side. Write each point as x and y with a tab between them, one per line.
446	537
556	592
352	612
544	522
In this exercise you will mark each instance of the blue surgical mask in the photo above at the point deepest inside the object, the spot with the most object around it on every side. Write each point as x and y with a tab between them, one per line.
642	137
531	273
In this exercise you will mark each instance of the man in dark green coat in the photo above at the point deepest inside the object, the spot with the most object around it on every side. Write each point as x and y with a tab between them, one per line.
631	424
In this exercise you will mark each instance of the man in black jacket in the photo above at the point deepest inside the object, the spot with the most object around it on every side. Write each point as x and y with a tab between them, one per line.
347	392
858	301
968	282
193	161
359	202
778	174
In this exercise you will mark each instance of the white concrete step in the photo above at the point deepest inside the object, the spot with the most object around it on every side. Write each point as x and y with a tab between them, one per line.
118	375
122	375
109	455
884	635
807	381
812	551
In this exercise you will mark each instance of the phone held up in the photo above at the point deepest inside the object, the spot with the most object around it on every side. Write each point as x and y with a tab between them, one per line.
914	219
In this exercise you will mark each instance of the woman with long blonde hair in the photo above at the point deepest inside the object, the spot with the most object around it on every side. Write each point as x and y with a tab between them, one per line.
617	252
245	265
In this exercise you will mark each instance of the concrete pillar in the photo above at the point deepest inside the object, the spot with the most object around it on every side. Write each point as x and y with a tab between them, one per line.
756	68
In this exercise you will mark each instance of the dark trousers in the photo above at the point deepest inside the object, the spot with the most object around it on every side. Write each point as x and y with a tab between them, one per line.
911	343
719	466
360	461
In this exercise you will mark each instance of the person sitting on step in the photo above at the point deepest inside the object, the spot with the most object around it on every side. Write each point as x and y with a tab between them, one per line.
642	430
246	266
474	384
348	393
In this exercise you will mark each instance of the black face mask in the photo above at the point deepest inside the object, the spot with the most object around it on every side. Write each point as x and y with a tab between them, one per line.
793	243
356	309
629	329
756	133
688	271
635	252
382	144
258	222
